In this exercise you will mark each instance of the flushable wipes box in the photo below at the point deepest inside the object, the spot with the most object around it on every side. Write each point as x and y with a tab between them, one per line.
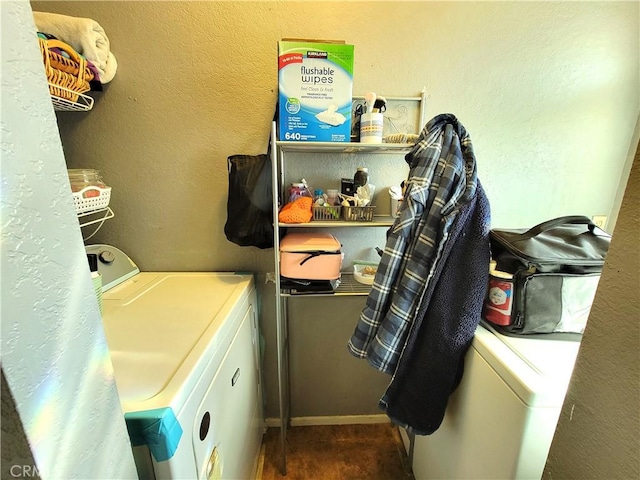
315	81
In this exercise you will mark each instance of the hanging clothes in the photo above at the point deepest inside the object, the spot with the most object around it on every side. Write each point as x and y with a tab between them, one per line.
442	183
432	362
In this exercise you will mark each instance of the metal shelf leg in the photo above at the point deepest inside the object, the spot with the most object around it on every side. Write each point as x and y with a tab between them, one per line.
283	378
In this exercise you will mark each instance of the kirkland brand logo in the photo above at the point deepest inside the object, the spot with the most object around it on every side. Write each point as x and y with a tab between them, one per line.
313	54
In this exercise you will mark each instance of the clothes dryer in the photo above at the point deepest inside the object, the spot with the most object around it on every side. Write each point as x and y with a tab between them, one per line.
501	420
185	353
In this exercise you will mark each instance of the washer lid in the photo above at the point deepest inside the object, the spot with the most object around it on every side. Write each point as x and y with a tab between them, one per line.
537	370
162	328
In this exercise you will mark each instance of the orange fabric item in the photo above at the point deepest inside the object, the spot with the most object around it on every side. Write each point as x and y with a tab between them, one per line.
298	211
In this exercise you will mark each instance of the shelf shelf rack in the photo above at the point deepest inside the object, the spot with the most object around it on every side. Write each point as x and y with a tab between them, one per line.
89	218
400	118
83	103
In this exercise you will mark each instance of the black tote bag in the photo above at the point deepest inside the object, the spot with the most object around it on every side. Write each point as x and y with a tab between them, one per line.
546	277
249	203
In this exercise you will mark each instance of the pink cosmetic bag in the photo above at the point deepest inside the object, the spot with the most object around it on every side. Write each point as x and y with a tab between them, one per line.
310	256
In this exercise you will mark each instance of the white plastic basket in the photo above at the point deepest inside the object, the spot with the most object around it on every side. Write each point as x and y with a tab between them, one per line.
87	200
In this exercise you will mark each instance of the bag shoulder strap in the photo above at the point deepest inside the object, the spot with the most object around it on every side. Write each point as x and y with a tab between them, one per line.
557	222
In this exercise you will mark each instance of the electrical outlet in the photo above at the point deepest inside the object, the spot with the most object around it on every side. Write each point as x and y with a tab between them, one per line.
600	221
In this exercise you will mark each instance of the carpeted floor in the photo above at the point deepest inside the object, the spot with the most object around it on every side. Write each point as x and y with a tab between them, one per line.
337	452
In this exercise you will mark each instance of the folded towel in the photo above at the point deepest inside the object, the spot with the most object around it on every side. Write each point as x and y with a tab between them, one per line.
85	35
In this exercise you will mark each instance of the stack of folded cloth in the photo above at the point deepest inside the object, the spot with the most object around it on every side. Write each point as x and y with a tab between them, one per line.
83	35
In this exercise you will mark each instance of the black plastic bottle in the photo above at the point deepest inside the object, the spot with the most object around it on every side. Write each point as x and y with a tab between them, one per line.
361	178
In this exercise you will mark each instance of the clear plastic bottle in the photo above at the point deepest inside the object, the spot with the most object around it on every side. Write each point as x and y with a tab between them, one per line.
332	197
298	190
318	197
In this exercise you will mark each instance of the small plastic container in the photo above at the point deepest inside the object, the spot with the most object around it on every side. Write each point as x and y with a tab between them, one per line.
395	207
81	178
88	190
371	127
332	197
364	273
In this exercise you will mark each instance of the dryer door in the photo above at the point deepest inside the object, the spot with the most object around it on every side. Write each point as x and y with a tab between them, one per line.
227	433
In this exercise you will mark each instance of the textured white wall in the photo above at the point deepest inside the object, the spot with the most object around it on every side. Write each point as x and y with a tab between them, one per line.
54	353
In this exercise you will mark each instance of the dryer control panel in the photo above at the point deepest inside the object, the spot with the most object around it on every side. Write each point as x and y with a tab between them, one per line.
114	265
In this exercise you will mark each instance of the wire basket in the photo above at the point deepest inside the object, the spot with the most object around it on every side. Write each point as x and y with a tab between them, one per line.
358	214
91	198
72	74
326	213
82	103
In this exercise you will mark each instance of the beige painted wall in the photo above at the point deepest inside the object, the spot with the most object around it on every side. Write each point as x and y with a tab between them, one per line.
548	92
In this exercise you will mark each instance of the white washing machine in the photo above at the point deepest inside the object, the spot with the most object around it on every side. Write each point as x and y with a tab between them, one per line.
500	422
186	358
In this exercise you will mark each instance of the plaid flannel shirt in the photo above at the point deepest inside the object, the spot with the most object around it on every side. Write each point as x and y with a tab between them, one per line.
442	175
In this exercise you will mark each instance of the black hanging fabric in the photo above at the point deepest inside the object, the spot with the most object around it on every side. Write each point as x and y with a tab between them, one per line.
249	203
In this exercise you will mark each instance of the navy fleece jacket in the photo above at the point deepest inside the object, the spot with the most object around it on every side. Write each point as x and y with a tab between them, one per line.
431	365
